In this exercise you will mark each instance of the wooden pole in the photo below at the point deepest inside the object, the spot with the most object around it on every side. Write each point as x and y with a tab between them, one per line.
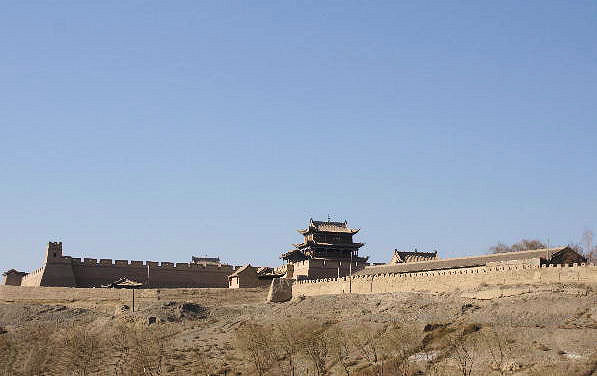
350	273
133	300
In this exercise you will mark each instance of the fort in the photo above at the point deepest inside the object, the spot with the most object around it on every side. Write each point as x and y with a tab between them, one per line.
59	270
326	262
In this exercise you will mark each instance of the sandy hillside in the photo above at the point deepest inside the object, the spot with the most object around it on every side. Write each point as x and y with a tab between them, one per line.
550	330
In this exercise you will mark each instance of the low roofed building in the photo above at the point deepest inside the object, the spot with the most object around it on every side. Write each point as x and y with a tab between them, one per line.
399	257
205	260
251	276
12	277
545	256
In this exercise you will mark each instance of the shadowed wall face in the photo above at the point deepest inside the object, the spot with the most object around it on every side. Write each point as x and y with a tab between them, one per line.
65	271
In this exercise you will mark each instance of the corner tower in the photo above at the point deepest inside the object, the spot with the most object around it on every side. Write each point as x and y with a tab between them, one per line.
53	252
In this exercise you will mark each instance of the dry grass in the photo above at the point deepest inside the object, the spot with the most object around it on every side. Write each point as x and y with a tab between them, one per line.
394	334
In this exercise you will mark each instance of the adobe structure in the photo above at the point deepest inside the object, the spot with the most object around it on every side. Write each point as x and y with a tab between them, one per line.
400	257
327	250
12	278
65	271
547	265
251	276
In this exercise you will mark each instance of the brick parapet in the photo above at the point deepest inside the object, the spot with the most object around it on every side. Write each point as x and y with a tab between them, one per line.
445	280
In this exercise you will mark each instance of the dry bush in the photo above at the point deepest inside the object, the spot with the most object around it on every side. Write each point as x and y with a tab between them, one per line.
289	337
138	350
255	342
368	341
341	351
316	346
462	349
35	348
82	350
204	366
500	350
8	354
399	343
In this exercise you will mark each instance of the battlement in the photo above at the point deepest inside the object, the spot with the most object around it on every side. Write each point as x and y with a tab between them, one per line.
453	272
449	279
152	264
60	270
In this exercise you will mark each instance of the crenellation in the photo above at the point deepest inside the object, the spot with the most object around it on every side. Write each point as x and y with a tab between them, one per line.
106	261
90	260
446	281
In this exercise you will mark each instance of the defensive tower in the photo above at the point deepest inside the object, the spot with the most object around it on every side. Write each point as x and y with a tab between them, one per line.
326	240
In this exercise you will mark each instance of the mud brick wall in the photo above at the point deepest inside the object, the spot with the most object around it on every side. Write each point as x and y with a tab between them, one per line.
448	280
317	269
88	272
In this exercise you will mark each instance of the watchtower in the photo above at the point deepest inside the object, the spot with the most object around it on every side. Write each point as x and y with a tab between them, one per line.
327	241
53	252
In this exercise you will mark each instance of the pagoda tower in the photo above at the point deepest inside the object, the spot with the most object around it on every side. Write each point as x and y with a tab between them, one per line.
326	240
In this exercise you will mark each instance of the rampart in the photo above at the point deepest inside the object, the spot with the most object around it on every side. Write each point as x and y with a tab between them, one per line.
321	268
107	299
65	271
449	280
531	256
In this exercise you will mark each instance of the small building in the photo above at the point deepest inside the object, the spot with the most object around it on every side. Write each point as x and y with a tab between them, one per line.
251	276
205	260
12	278
399	257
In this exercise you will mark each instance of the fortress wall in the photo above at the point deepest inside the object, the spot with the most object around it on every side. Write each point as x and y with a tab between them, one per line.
532	256
111	297
33	278
317	269
91	273
192	275
448	280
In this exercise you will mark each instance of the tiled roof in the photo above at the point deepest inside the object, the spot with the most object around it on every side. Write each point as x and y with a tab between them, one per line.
13	271
329	226
240	270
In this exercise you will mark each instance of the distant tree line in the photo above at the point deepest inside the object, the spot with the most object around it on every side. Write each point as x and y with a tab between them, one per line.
584	247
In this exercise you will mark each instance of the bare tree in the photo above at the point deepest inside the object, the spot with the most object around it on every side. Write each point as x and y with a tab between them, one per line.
462	351
523	245
289	337
499	349
368	341
500	247
590	250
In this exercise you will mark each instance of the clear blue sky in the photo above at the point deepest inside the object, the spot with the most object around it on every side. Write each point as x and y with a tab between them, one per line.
160	130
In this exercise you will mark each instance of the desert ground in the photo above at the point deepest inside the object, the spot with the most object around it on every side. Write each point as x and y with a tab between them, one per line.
543	330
